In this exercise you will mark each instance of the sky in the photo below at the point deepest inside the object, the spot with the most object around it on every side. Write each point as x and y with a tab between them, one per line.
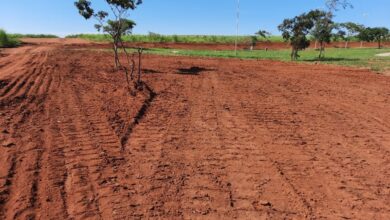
213	17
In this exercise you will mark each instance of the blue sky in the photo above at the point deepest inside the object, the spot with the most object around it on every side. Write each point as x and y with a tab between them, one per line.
181	16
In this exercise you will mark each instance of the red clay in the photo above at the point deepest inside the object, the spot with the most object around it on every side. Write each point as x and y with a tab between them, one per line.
222	139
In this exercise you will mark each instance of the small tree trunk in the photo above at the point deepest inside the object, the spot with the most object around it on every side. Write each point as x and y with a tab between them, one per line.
322	49
361	44
140	50
130	63
346	44
320	54
116	57
292	55
132	67
379	44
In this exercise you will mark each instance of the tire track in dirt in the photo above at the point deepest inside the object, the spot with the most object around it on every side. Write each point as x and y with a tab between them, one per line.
83	153
12	63
26	156
114	194
141	113
310	152
41	81
243	140
362	119
290	136
8	172
206	188
26	70
34	88
52	192
31	80
238	152
92	156
23	184
148	169
21	86
80	157
184	181
356	124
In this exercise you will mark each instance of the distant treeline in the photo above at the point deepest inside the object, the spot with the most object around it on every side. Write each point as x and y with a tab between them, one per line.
159	38
33	35
12	40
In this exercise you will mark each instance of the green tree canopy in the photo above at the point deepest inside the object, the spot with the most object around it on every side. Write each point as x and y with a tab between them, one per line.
322	29
376	34
116	23
295	30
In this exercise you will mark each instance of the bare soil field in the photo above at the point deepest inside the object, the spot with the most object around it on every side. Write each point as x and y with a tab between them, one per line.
205	139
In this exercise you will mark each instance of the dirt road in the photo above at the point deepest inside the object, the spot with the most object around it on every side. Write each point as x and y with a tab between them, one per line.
221	139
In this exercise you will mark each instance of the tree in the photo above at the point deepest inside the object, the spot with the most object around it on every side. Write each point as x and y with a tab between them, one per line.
295	30
376	34
323	27
348	30
115	25
262	34
380	34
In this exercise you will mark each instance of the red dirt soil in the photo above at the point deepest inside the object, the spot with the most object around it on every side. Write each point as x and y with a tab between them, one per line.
221	139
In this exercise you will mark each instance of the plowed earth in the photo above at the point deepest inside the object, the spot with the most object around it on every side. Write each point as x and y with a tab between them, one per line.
205	139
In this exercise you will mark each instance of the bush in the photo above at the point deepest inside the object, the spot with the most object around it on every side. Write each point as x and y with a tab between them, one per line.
6	41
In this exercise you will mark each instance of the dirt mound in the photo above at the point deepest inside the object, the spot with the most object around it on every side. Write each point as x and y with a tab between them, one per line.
220	139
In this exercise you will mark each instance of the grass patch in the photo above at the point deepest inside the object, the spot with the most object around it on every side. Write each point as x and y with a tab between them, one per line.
359	57
7	41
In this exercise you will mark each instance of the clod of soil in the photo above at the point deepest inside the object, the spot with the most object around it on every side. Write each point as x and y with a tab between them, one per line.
8	143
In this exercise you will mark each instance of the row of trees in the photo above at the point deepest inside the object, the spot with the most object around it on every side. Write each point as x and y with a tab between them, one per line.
316	23
320	26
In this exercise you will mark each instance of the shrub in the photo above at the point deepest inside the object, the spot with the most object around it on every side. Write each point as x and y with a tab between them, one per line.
6	41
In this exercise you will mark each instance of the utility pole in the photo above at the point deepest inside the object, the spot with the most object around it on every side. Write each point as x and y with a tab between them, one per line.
238	23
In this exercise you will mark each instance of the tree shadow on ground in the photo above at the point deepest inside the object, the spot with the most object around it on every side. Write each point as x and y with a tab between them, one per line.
195	70
150	71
